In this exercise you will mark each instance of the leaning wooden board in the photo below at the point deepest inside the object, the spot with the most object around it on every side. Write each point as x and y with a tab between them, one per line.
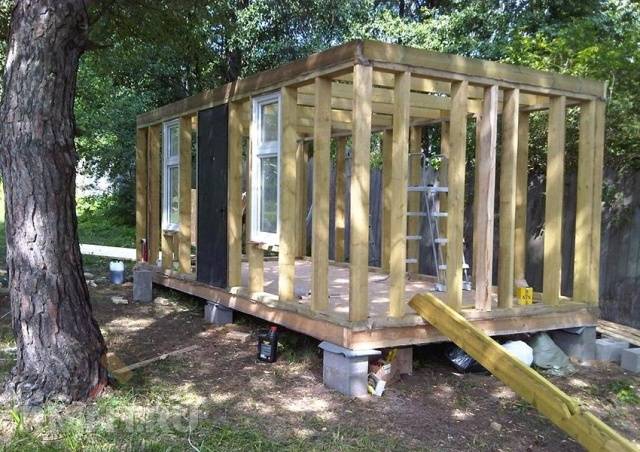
560	408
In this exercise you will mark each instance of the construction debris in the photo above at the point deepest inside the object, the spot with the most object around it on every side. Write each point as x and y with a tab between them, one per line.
119	300
140	364
239	336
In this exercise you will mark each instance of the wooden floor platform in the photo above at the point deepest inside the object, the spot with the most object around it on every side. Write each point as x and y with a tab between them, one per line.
378	331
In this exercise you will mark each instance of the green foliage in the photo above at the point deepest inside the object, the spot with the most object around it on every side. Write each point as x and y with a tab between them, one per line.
101	220
624	391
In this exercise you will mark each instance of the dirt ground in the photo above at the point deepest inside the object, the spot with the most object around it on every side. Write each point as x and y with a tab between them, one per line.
436	408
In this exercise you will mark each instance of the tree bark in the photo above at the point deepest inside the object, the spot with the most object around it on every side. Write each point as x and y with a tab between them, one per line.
59	344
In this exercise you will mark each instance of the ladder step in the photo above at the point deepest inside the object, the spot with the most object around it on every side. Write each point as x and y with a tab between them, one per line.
416	214
414	237
411	260
444	266
440	214
441	240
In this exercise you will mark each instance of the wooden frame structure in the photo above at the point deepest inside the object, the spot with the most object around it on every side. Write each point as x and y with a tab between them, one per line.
344	95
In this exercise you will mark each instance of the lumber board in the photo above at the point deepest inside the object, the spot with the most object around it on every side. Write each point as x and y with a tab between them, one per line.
596	217
340	219
184	206
584	205
444	165
387	197
320	215
398	185
234	196
302	156
154	206
255	254
554	192
146	362
508	198
360	164
522	186
142	172
455	198
287	196
618	331
112	252
168	249
484	198
414	198
561	409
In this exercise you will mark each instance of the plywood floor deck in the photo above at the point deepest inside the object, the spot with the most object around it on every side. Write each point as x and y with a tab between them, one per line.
339	288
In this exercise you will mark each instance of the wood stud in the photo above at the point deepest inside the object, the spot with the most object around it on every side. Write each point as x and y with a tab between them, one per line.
234	197
141	190
340	219
184	233
522	186
154	209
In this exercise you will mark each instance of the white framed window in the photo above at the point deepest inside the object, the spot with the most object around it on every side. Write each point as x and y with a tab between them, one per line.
171	176
265	168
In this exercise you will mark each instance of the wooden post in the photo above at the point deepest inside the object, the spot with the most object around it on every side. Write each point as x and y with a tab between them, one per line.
582	270
484	199
554	193
184	235
413	198
154	207
596	226
167	249
455	178
387	169
522	186
359	243
341	144
255	254
287	243
398	208
141	189
301	198
321	175
508	196
444	168
234	196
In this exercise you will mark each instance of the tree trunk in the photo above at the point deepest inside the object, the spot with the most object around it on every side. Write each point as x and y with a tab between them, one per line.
59	344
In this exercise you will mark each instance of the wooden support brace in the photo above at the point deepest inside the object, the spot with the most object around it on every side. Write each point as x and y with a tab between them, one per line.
508	197
596	226
287	217
142	172
301	198
553	212
414	198
340	220
234	196
154	208
387	195
359	243
455	178
522	186
321	175
398	208
484	198
184	234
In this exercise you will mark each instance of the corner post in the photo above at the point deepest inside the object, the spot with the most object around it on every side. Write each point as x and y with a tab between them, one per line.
141	189
234	196
153	209
522	187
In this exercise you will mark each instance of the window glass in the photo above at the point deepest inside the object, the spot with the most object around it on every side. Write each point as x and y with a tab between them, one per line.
174	216
269	123
269	194
173	140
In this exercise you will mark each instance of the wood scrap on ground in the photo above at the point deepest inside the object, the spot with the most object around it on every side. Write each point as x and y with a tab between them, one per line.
129	368
617	331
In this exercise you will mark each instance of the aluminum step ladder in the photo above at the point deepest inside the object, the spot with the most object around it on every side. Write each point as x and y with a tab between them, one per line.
433	215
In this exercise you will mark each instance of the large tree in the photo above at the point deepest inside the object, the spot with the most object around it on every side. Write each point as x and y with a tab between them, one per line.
59	344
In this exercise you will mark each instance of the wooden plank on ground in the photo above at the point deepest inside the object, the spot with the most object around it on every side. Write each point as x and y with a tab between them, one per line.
234	196
340	219
321	176
484	200
561	409
301	198
522	186
287	197
184	233
146	362
554	192
618	331
360	163
142	172
154	207
414	198
455	199
398	185
584	204
508	197
387	169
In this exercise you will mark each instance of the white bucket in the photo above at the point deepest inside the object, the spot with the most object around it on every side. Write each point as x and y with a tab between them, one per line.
116	269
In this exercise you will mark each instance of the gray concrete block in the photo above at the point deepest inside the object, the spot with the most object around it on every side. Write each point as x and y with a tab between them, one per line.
631	360
217	314
578	343
142	285
346	370
609	349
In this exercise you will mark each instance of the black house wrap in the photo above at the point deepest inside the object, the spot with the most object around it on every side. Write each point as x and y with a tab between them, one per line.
212	196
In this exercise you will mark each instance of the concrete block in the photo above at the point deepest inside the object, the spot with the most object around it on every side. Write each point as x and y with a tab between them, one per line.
217	314
403	362
142	285
578	343
346	370
609	349
631	360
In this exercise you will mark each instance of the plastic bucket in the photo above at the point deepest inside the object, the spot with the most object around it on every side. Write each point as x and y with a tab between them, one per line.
116	270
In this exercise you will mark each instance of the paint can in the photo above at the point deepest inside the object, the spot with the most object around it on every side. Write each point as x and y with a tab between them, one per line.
268	345
116	270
